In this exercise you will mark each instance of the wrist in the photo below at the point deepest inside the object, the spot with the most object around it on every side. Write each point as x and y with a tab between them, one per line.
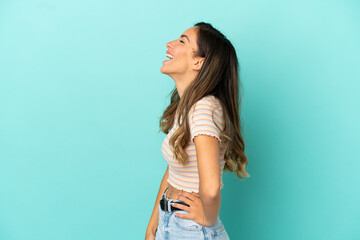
209	222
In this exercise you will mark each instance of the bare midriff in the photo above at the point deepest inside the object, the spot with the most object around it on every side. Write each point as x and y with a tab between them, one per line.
173	193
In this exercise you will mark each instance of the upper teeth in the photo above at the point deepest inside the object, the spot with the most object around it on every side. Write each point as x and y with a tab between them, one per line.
169	56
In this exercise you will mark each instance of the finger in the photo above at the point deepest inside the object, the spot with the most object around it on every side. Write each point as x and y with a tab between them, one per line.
181	215
185	200
188	195
182	207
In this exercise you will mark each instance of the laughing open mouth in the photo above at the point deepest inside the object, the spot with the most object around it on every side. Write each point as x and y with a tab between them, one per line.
169	56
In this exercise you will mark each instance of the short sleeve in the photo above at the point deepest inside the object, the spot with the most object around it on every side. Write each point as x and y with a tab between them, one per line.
204	115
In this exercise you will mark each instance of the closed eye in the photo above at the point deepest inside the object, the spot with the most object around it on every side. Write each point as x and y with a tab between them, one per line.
182	41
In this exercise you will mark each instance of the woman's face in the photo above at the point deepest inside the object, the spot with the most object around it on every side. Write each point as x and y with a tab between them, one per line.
181	54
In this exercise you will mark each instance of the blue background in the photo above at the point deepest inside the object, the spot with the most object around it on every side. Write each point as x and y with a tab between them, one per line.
81	95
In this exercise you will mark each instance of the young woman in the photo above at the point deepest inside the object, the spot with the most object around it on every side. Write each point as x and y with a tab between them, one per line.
203	136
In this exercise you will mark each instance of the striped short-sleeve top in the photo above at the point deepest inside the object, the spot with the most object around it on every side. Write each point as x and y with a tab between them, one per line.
202	116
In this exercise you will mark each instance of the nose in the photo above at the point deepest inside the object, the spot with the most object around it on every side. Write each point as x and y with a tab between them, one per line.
169	44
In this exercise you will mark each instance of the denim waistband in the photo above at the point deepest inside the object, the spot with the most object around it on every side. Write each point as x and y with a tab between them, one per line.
217	228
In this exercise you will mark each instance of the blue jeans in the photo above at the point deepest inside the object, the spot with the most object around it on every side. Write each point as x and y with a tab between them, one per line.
172	227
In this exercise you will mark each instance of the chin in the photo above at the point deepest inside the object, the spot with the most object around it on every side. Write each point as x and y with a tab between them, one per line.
163	70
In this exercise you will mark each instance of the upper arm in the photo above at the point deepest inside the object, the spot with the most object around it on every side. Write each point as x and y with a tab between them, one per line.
204	119
207	154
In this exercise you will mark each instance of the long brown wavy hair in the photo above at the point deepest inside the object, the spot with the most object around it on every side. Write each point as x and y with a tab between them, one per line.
219	77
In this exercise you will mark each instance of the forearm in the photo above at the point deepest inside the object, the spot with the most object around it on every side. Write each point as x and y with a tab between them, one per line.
211	206
154	219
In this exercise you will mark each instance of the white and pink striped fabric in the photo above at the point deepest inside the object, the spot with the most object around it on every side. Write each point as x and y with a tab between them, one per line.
202	116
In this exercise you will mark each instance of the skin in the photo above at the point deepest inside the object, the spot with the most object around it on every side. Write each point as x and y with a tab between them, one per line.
205	205
185	66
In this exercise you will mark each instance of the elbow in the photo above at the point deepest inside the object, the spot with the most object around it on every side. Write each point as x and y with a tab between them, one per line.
210	193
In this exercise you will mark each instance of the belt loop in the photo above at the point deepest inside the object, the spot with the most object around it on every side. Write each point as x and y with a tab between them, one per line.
169	205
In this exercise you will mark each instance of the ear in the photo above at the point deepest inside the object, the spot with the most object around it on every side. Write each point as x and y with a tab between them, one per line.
198	62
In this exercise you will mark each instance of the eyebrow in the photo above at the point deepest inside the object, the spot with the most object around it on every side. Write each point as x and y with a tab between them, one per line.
185	37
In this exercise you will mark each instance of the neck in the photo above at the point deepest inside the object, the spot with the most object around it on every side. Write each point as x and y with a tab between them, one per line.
182	82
